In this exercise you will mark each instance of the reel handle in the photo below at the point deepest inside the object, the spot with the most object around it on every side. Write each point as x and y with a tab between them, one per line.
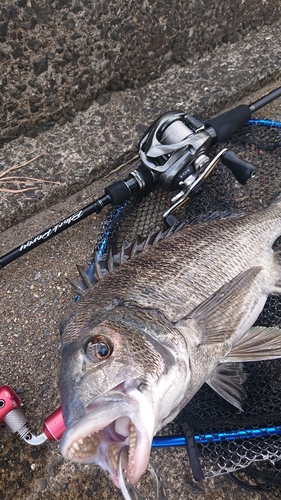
241	169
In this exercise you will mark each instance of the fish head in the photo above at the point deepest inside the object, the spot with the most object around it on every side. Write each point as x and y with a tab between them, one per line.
109	377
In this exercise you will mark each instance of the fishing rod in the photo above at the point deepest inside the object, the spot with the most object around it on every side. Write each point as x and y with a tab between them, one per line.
54	427
173	153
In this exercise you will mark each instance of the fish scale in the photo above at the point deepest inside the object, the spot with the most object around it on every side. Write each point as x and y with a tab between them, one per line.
186	269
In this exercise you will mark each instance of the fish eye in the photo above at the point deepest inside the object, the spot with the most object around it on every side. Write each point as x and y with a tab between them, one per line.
98	348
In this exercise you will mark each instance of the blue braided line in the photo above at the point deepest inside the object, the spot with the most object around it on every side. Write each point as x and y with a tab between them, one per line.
103	244
104	241
265	123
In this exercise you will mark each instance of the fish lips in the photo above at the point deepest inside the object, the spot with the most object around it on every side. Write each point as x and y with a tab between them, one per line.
110	423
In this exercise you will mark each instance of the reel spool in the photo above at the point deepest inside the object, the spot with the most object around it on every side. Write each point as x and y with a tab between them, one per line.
175	141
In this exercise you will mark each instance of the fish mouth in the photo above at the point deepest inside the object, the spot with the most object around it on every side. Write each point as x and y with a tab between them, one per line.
109	423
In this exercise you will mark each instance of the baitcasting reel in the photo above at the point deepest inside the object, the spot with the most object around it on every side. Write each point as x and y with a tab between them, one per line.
173	153
175	149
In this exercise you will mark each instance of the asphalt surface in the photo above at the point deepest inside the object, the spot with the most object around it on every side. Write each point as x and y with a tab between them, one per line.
34	296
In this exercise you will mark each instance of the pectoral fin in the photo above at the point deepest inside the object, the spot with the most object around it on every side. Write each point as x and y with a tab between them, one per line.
227	379
258	344
218	317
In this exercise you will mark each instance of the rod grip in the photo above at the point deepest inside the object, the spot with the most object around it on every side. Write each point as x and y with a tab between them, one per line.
229	122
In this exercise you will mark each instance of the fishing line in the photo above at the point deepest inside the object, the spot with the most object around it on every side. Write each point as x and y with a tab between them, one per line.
102	247
265	123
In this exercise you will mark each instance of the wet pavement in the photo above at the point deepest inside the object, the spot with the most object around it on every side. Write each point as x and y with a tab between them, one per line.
34	295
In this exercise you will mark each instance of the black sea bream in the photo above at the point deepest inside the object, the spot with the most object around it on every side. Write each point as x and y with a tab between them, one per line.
141	342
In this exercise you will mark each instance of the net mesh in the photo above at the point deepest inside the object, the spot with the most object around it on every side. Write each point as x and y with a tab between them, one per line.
208	412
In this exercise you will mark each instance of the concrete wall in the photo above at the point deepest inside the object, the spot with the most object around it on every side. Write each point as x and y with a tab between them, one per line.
58	56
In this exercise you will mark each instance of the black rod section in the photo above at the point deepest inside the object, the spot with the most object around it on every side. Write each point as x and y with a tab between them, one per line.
229	122
115	194
49	233
265	99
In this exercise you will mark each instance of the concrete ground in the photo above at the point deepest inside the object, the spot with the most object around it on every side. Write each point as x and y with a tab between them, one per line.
34	291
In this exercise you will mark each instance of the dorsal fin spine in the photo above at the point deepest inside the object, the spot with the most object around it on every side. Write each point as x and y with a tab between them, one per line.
122	254
135	248
97	269
96	272
110	262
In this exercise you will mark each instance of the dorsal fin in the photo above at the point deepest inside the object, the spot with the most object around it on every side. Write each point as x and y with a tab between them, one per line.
101	265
